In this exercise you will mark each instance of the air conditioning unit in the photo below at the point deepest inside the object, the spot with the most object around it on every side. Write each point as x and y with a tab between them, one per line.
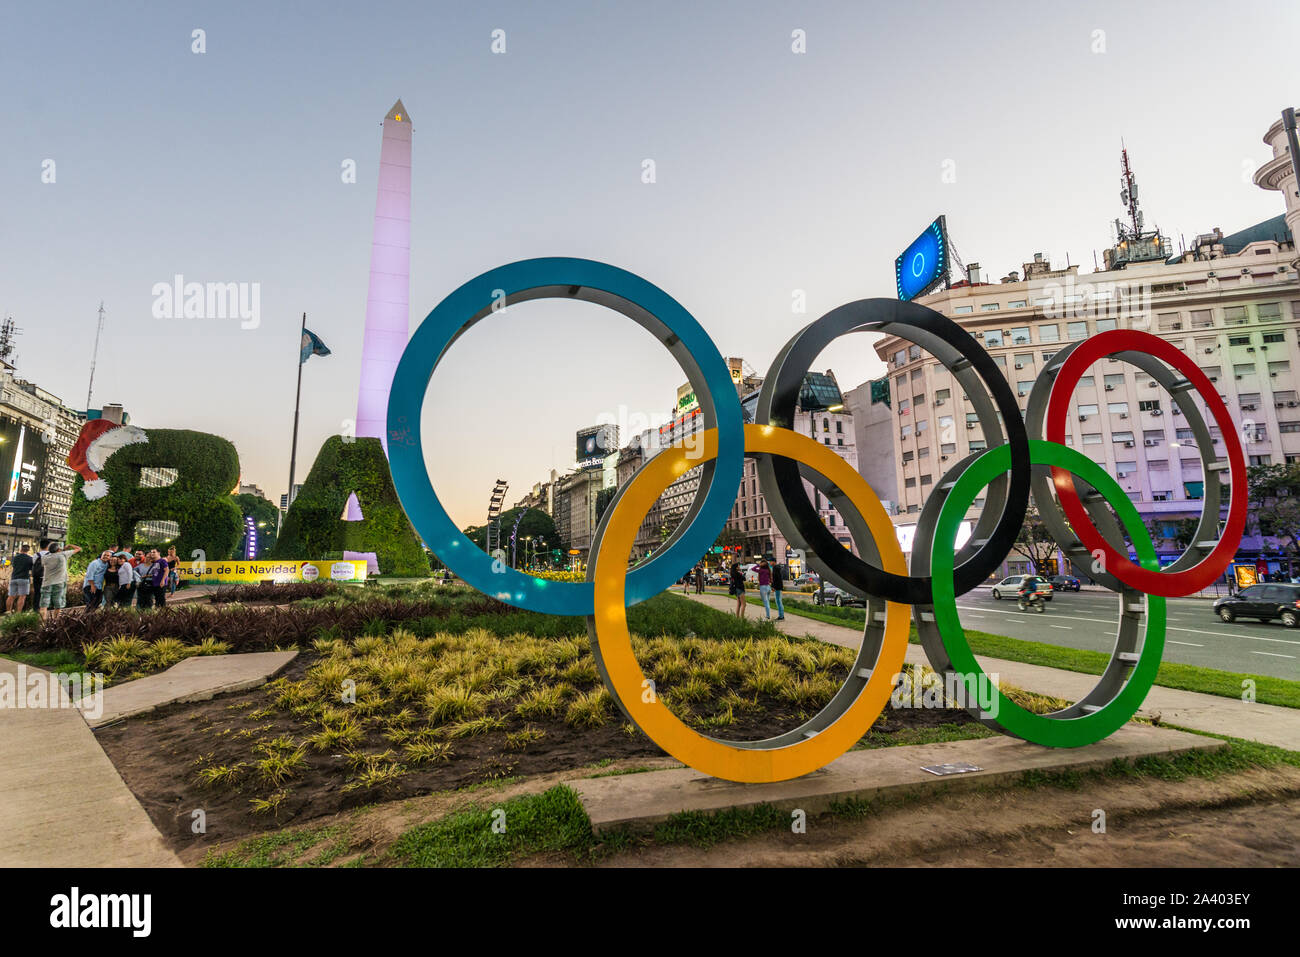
1177	325
1020	365
1110	388
1251	349
1122	474
1272	375
1128	444
1157	412
944	457
1247	408
1177	411
1151	385
1215	378
1208	351
970	425
1149	442
1291	405
1021	392
1123	415
979	335
1083	418
1279	405
1215	441
939	401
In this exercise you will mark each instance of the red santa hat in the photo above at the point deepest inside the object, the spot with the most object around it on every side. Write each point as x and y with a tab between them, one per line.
99	439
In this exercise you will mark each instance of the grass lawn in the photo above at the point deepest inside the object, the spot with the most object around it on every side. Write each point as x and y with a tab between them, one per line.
1226	684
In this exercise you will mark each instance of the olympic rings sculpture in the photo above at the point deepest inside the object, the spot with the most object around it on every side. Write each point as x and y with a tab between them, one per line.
1024	461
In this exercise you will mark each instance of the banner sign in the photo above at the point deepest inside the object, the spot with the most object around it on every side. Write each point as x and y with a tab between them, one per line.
282	571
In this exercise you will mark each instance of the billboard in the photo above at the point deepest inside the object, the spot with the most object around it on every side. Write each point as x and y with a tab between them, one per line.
595	443
22	459
276	571
923	265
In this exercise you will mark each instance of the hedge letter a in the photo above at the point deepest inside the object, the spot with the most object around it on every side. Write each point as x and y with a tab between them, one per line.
314	528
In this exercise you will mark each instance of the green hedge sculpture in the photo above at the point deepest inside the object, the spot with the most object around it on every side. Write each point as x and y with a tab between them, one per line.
313	527
198	501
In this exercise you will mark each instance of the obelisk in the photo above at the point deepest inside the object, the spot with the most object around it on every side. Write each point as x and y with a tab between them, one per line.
388	321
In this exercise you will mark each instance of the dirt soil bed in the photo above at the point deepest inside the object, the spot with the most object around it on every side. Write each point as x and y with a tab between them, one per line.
159	755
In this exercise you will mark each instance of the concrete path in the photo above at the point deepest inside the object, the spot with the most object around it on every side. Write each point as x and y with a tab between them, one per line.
62	803
639	801
1268	724
194	679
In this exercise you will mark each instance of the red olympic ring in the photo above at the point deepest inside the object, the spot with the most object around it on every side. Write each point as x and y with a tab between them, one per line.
1208	569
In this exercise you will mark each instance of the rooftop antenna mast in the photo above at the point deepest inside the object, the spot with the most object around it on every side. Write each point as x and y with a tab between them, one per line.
90	389
1128	194
8	331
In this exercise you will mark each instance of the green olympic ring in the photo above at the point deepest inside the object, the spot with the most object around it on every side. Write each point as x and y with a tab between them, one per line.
1067	732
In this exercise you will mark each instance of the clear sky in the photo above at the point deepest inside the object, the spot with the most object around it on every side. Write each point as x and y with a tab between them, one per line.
775	171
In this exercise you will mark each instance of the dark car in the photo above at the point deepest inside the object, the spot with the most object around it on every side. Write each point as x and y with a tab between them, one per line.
830	595
1064	582
1265	602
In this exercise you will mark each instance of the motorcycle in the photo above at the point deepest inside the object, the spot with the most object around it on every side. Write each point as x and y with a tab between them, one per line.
1032	598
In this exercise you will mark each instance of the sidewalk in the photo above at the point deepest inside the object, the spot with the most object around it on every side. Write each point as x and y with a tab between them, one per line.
1267	724
62	803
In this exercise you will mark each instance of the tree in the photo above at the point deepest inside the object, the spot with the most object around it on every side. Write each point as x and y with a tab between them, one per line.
264	515
1183	531
1035	542
603	498
535	523
1273	492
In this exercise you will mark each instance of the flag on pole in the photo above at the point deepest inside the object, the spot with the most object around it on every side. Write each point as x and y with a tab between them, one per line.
311	346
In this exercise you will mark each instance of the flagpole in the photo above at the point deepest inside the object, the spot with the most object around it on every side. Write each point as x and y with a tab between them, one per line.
297	403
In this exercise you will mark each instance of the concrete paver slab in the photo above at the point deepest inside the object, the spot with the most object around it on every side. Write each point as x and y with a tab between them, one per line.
639	801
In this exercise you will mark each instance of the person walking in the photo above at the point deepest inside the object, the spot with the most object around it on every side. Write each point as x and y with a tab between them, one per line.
54	582
173	570
778	585
699	579
765	587
110	582
20	579
92	584
738	589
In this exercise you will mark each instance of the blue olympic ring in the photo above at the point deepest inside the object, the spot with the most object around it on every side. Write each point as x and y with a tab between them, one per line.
639	300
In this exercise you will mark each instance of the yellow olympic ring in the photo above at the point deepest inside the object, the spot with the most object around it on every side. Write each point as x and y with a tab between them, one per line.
722	759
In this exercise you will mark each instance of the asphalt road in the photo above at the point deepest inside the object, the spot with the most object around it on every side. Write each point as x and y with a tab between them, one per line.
1195	634
1087	619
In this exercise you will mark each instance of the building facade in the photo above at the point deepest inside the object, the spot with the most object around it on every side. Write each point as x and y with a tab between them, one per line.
1230	303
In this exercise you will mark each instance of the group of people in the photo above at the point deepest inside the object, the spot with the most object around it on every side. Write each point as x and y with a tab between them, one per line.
771	584
116	578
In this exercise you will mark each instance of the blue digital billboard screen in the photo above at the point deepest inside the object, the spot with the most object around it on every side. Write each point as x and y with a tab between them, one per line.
923	265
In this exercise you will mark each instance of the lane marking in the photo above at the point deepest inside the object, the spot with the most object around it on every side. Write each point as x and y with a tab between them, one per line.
1194	631
1065	627
1189	644
1272	655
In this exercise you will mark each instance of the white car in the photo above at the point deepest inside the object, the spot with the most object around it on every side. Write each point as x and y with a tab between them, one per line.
1009	587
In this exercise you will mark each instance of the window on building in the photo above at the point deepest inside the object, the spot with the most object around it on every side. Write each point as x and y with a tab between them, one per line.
1106	325
908	456
945	424
904	406
926	480
962	310
1025	360
972	418
978	445
1117	408
1087	382
1249	399
918	400
1288	427
1121	436
1234	315
1156	465
922	453
942	395
1270	337
1268	311
913	352
826	425
1049	332
1160	497
989	307
1168	321
1238	340
839	441
900	357
916	375
839	426
1092	438
1202	319
1240	369
909	482
948	448
1000	362
1047	356
1076	330
1213	372
1017	304
1019	335
1277	370
922	426
1088	409
1113	381
1126	467
992	337
1261	460
905	431
1148	405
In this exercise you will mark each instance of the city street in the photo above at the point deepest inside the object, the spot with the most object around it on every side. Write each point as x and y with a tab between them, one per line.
1195	637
